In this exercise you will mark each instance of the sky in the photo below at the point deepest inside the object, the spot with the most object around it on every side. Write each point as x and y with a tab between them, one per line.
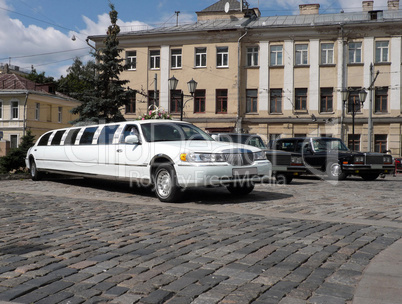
40	33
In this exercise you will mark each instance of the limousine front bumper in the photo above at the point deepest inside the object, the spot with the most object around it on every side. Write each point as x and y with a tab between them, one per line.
213	175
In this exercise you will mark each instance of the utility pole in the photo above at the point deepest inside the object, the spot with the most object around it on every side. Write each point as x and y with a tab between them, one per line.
370	119
155	90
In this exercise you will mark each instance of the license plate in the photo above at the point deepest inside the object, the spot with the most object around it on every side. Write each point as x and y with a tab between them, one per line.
376	166
244	171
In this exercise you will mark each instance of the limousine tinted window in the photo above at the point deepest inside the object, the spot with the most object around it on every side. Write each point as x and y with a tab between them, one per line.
106	136
88	135
44	139
71	136
57	138
172	132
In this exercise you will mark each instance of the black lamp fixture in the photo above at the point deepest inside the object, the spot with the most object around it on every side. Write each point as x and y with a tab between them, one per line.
192	86
352	104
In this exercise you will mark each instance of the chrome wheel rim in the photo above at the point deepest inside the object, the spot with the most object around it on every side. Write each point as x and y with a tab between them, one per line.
335	170
163	183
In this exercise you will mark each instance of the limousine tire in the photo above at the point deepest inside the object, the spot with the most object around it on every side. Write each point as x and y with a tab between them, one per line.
165	181
369	176
35	174
241	188
334	172
283	179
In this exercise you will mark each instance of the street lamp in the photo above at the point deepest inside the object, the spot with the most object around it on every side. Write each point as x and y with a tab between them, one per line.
352	105
192	86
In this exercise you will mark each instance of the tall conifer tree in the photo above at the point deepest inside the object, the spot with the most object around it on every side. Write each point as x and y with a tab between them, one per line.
108	94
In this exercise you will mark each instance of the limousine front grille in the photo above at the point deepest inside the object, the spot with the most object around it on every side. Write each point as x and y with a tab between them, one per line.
374	159
280	160
240	159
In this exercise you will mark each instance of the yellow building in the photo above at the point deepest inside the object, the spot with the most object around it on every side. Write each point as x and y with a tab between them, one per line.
276	76
25	105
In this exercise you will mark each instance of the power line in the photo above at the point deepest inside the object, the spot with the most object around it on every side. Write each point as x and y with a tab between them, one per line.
43	54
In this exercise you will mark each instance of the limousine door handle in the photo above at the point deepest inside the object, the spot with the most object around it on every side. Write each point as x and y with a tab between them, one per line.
119	150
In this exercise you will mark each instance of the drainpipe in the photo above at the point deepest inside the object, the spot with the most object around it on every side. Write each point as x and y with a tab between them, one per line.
25	114
239	117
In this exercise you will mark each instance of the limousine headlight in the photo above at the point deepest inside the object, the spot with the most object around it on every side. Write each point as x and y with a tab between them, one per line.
260	155
358	160
387	159
202	157
296	160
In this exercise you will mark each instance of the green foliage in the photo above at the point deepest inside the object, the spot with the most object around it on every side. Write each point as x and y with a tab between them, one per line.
107	94
15	159
39	78
78	79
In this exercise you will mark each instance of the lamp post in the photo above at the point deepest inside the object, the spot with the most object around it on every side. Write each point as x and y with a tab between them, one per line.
352	105
192	86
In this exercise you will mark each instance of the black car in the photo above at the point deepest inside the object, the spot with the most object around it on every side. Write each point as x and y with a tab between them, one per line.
285	165
331	156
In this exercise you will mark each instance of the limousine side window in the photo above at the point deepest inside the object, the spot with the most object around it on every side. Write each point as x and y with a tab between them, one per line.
88	135
57	138
107	134
71	136
44	139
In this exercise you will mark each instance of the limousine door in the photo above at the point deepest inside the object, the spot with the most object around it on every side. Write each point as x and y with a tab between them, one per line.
131	156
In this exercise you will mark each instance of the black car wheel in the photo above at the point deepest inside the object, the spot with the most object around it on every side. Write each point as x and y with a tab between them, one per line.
369	176
334	172
283	179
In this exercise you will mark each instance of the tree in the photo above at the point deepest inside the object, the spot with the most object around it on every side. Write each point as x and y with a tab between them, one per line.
107	94
39	78
15	159
78	79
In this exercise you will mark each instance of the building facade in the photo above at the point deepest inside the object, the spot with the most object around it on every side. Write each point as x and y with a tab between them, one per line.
279	76
25	105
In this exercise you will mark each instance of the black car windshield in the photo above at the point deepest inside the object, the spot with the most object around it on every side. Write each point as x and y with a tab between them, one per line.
154	132
326	144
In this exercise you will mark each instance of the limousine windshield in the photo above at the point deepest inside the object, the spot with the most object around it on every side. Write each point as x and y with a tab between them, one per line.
172	132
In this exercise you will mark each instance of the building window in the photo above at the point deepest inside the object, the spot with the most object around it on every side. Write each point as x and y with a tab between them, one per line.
326	100
151	98
131	106
252	56
381	100
131	60
251	101
275	99
355	52
354	101
222	101
155	59
327	53
199	101
301	54
176	59
175	101
60	114
37	111
381	51
13	141
380	143
14	110
356	146
276	55
200	57
222	57
301	99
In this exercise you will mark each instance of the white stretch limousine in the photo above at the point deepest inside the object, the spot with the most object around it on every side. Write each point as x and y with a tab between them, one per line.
170	155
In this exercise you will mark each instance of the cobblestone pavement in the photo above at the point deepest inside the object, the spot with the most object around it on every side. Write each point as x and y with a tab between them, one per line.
82	241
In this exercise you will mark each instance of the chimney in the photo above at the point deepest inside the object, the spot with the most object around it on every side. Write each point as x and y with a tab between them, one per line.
368	5
309	9
393	5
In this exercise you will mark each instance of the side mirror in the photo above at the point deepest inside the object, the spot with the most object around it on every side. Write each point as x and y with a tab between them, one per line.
132	139
215	137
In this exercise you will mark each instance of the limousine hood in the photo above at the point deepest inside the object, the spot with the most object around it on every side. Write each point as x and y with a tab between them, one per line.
202	146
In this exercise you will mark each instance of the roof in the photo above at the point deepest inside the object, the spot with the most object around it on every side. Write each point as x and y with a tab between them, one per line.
16	82
220	6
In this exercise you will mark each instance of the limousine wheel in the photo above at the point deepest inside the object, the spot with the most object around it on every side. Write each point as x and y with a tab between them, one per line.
35	174
241	189
166	187
334	172
283	179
